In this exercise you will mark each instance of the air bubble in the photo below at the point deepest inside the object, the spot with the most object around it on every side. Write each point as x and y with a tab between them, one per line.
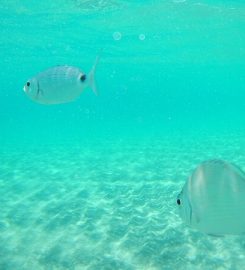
142	37
117	35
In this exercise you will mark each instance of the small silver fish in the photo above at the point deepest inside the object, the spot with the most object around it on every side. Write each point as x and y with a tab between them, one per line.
60	84
213	199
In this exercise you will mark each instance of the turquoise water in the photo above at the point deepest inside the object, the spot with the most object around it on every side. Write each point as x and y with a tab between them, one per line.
92	184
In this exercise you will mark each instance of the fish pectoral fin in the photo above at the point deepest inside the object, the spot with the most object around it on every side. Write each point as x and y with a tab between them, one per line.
196	217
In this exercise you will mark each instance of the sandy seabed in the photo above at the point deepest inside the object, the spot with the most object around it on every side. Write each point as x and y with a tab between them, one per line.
109	205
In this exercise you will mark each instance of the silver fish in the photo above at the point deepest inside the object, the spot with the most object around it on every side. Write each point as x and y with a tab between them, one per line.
60	84
213	199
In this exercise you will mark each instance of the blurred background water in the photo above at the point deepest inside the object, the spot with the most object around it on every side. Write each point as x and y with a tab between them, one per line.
164	63
171	82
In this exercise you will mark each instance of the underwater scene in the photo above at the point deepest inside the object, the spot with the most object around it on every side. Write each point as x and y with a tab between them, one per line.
122	134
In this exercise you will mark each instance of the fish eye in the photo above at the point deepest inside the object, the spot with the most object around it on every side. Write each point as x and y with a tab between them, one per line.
83	77
178	201
28	83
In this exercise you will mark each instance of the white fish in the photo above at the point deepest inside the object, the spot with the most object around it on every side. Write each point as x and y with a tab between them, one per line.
59	84
213	199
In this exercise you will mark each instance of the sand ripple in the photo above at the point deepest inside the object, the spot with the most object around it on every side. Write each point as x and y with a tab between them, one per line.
107	207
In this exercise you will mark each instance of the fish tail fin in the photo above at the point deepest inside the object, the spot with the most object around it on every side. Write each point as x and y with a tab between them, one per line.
92	83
